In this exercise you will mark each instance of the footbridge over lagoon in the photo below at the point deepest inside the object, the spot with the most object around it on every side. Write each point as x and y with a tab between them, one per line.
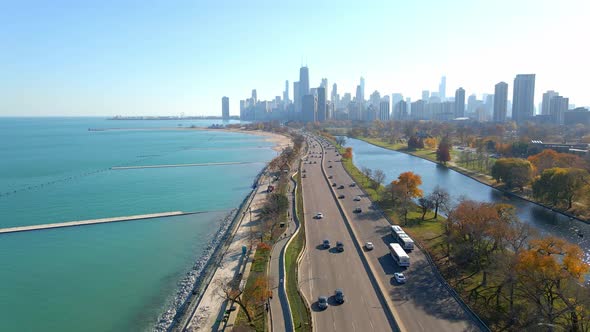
94	221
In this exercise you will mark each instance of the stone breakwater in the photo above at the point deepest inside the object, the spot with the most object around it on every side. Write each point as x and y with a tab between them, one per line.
194	276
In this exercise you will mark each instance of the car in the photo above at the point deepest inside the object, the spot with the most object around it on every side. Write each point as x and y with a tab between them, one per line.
357	210
339	296
339	246
319	215
303	176
323	302
341	187
369	246
357	198
334	184
315	162
399	277
353	184
341	196
329	161
330	166
326	244
329	177
304	171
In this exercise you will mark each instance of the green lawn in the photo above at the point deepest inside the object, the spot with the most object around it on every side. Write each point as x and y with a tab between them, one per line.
299	309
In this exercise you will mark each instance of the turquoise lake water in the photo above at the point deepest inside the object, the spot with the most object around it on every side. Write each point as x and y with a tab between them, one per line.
118	276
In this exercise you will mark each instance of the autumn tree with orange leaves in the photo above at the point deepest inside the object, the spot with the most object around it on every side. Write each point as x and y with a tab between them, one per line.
403	190
549	158
347	153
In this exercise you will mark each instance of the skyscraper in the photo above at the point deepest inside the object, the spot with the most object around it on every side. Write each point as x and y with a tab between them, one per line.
523	98
321	102
296	97
362	85
558	106
324	84
225	108
303	81
334	95
442	88
384	110
254	96
425	95
286	93
310	108
459	103
545	106
500	102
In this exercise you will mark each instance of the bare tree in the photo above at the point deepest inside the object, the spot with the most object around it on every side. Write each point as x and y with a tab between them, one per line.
426	204
440	198
367	172
230	290
341	140
378	177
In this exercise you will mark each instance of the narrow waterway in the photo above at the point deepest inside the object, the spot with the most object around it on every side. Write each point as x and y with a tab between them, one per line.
458	185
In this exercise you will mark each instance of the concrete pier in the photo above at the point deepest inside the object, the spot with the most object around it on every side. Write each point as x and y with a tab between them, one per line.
115	168
91	222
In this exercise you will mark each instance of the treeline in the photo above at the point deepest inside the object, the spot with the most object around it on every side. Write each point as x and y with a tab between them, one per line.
557	179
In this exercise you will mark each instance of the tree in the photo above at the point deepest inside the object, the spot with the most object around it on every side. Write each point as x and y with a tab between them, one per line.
443	153
341	140
378	178
230	290
546	272
404	189
549	158
440	198
367	172
430	142
560	184
348	153
415	142
426	204
514	172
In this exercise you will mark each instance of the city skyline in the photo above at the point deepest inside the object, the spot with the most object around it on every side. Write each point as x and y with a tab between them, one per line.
103	59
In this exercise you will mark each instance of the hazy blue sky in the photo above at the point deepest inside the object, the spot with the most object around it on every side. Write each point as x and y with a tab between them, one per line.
167	57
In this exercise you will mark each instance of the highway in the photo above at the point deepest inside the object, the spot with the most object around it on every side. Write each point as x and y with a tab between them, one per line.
322	271
422	303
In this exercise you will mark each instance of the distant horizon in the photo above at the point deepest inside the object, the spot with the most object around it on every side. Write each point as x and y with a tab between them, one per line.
96	58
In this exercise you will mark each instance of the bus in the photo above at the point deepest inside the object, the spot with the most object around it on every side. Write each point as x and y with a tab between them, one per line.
406	241
396	231
399	254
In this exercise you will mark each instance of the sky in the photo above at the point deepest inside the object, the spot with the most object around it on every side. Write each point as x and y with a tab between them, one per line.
88	58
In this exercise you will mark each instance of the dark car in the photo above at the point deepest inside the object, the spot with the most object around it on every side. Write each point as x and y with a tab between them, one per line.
334	184
353	184
322	302
341	187
326	244
329	177
339	246
339	296
341	197
357	210
330	166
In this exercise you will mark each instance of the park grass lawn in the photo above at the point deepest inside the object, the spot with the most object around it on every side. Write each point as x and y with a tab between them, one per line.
259	265
299	310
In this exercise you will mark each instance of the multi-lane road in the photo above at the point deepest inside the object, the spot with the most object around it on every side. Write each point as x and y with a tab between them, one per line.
421	304
323	270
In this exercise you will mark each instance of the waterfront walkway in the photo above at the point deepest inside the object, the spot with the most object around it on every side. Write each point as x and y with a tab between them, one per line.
92	222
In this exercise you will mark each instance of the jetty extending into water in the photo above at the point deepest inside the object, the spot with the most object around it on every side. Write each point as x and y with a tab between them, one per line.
115	168
92	222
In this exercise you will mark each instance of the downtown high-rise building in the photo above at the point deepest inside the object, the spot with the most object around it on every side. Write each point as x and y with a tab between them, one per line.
297	97
545	107
324	84
383	114
558	105
334	96
442	88
286	93
459	103
500	102
400	110
362	90
523	98
310	108
225	108
425	95
254	96
303	81
322	110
